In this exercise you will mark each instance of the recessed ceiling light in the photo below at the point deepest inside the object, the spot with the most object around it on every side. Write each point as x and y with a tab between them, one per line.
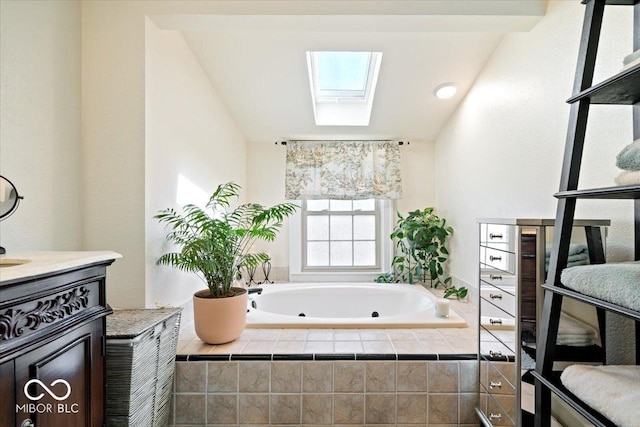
445	90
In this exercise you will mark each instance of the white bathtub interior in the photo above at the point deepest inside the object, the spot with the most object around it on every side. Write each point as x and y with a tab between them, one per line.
347	305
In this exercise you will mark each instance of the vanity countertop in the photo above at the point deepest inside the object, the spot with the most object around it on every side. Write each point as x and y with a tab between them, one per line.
22	265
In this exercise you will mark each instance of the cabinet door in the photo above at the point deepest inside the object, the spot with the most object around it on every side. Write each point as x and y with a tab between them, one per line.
60	384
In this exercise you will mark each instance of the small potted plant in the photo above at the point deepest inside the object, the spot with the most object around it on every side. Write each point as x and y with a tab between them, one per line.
214	242
421	252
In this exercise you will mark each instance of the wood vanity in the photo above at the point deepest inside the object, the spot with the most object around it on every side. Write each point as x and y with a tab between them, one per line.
52	338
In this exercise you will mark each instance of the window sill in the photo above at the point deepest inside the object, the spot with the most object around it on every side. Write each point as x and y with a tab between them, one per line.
338	276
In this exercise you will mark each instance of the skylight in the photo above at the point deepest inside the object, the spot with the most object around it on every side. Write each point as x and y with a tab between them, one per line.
342	86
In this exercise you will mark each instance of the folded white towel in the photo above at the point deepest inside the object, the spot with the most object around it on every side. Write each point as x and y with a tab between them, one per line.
617	393
571	327
631	57
628	178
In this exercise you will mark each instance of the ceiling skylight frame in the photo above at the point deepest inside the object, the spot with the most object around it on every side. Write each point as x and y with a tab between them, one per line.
344	107
339	96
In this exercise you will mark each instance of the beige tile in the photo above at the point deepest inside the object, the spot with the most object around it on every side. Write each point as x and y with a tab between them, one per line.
454	334
320	335
318	347
246	335
266	335
286	377
348	347
380	409
190	376
412	408
437	347
348	377
317	377
464	346
412	376
288	347
222	377
293	335
196	347
346	336
373	335
254	376
429	334
181	344
408	346
285	408
467	403
379	347
380	376
443	377
259	347
222	409
468	376
400	334
190	409
253	408
443	408
232	347
317	408
348	408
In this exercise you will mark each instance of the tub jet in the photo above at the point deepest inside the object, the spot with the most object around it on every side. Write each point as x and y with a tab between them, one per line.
302	315
375	314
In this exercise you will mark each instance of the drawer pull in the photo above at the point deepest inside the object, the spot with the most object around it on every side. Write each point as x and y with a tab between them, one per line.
495	353
493	416
495	384
495	296
495	236
495	321
495	277
495	258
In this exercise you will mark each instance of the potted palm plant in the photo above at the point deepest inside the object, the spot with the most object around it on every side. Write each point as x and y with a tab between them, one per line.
214	242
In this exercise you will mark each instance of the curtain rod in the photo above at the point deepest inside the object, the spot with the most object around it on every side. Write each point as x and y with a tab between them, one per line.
347	140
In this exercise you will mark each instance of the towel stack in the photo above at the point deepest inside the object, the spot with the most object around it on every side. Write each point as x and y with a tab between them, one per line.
629	161
574	332
578	255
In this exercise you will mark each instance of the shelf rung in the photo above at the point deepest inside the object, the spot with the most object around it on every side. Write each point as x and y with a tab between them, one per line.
621	89
624	311
616	192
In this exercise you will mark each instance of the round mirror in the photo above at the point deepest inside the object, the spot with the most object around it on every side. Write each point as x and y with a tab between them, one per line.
9	198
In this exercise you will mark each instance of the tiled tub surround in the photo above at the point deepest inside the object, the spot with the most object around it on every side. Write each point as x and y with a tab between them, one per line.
321	393
222	386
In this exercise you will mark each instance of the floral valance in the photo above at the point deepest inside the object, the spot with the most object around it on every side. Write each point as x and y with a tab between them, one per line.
343	170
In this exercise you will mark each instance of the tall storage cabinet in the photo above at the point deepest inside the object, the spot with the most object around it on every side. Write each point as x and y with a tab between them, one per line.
578	283
513	260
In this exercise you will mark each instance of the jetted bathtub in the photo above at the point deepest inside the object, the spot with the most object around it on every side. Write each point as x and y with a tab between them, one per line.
346	305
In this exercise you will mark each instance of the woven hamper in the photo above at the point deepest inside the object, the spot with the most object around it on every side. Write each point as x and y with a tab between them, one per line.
141	350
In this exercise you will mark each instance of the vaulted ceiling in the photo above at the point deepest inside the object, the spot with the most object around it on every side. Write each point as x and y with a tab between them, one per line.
255	57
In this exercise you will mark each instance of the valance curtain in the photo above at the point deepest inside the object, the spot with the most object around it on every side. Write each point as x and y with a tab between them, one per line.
343	170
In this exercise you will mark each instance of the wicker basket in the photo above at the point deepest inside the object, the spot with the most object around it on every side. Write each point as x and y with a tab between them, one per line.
141	350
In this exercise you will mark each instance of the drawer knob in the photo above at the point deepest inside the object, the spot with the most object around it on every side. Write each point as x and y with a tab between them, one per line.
495	353
27	423
495	321
495	277
494	258
495	236
493	416
495	384
495	296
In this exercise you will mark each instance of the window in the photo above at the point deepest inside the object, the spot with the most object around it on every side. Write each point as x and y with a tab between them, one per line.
342	86
340	235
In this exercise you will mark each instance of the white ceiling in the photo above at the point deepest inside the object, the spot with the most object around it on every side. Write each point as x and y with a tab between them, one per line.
256	59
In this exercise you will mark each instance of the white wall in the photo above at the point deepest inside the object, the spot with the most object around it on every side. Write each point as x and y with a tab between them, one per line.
40	123
500	155
266	172
192	145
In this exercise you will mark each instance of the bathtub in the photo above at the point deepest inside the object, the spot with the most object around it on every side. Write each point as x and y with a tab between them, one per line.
346	305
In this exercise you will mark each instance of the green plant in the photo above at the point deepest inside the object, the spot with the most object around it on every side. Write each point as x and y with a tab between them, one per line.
215	241
420	251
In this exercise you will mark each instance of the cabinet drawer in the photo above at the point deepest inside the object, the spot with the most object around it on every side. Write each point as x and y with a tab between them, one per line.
497	302
501	409
502	280
491	258
496	383
497	345
495	233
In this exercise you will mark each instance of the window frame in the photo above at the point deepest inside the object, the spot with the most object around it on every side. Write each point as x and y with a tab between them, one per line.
376	212
341	274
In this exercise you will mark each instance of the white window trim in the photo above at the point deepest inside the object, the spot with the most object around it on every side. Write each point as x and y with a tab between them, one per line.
296	274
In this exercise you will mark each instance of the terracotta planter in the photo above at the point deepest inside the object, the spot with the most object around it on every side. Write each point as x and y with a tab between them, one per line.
220	320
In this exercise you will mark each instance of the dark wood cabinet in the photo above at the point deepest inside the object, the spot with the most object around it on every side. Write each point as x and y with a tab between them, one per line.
52	348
